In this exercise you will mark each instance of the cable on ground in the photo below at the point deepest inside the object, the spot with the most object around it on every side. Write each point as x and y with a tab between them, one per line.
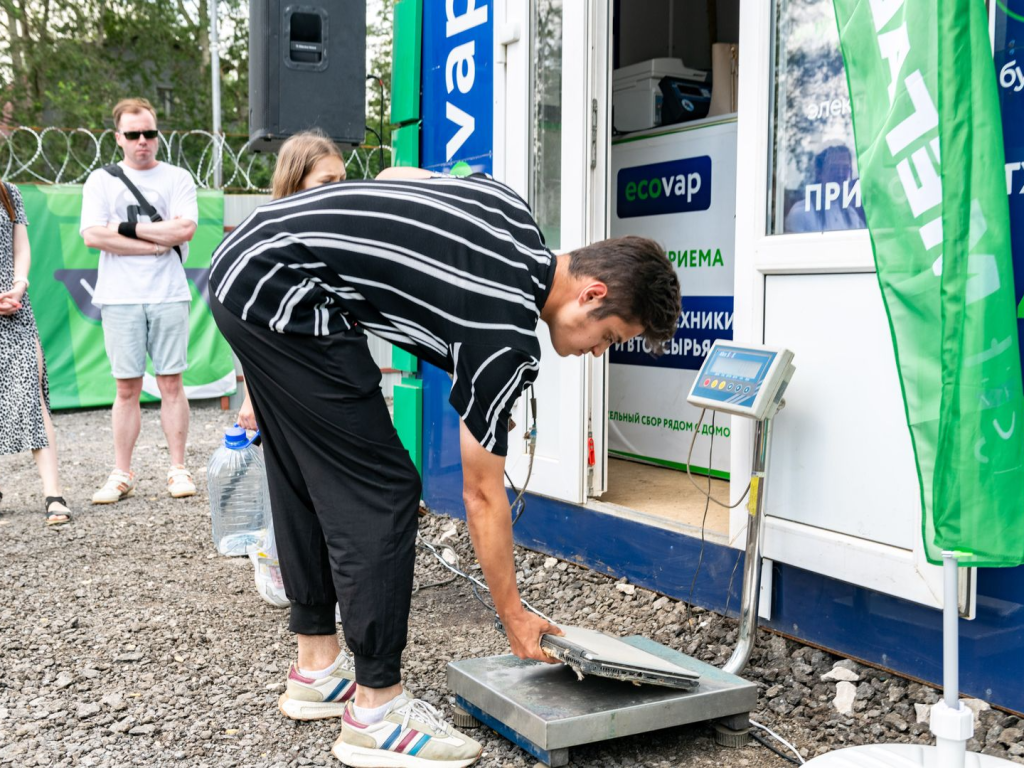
416	586
779	739
477	584
768	746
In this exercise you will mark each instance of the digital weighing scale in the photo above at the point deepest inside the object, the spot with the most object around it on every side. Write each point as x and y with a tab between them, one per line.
546	709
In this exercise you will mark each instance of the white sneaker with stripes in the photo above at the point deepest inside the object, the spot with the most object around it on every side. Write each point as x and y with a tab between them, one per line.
120	485
411	735
305	698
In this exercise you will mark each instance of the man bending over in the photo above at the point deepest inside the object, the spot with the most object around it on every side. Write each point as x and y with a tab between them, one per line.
454	271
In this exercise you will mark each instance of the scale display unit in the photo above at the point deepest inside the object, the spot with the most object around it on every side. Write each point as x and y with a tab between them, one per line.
547	710
742	380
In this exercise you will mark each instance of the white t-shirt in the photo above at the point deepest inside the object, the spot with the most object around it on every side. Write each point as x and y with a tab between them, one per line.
143	279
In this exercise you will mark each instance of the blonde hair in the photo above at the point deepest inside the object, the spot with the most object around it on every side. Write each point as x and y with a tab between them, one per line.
131	107
297	157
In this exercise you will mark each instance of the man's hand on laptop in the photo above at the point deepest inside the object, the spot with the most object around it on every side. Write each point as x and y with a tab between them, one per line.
524	630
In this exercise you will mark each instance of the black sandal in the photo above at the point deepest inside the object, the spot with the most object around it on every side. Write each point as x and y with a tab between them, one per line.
56	518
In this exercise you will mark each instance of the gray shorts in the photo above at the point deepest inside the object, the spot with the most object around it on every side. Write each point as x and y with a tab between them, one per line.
132	330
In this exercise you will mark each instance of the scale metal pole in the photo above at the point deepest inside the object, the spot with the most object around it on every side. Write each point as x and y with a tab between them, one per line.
752	556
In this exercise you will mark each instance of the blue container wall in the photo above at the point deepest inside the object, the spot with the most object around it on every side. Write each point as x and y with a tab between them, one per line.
848	620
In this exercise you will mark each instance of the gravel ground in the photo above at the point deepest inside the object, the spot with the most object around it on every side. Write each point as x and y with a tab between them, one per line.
124	640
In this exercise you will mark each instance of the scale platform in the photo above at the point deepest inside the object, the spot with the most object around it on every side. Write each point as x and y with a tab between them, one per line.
545	709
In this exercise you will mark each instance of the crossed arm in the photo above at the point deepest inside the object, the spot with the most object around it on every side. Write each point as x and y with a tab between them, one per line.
153	237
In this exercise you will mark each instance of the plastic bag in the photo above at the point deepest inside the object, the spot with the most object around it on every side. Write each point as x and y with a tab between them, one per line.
269	583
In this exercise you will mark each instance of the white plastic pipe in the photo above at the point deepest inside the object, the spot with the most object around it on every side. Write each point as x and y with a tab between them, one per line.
951	722
218	139
950	630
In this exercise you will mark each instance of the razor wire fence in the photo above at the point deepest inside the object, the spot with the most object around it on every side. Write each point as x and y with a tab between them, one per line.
68	155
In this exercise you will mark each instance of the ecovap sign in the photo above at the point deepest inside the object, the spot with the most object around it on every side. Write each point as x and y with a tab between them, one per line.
458	84
677	186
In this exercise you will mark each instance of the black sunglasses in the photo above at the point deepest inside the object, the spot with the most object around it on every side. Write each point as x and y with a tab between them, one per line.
134	135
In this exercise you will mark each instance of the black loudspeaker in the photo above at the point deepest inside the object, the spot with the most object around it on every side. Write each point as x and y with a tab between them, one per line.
307	69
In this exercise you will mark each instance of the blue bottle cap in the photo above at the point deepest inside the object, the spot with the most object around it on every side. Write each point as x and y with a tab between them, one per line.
235	438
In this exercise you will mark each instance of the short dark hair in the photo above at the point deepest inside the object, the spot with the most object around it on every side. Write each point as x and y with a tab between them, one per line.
642	284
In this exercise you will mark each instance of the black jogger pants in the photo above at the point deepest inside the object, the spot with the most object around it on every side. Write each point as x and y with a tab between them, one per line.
343	490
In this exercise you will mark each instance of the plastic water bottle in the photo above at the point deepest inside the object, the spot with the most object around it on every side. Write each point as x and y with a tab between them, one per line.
239	499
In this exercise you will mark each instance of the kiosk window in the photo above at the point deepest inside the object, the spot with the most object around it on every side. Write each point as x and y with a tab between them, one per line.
546	119
814	182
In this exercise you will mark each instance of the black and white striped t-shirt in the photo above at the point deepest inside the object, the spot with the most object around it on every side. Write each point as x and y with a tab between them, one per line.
453	270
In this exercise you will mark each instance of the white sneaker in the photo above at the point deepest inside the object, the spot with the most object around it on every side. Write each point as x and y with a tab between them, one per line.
411	735
120	485
306	698
179	482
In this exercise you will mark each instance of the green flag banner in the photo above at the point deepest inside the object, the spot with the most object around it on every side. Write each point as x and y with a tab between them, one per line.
921	77
63	275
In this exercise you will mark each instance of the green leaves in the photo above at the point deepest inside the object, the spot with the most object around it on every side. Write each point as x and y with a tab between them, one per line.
70	62
65	63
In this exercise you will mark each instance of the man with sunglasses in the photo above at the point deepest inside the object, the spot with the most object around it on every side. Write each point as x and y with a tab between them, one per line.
141	288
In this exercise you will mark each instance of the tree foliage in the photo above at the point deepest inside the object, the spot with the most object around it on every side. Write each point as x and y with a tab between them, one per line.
67	63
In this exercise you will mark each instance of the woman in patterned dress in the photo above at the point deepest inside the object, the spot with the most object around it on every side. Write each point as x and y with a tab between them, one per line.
24	394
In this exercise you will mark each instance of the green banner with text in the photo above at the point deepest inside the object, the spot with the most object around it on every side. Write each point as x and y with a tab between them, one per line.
62	277
939	227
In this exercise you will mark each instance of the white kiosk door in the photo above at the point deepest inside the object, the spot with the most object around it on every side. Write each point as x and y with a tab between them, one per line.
844	499
551	146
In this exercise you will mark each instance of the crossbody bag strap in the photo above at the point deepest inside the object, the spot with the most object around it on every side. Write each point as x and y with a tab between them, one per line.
147	208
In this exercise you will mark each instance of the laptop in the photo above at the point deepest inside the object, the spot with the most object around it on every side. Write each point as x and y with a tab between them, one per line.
590	652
